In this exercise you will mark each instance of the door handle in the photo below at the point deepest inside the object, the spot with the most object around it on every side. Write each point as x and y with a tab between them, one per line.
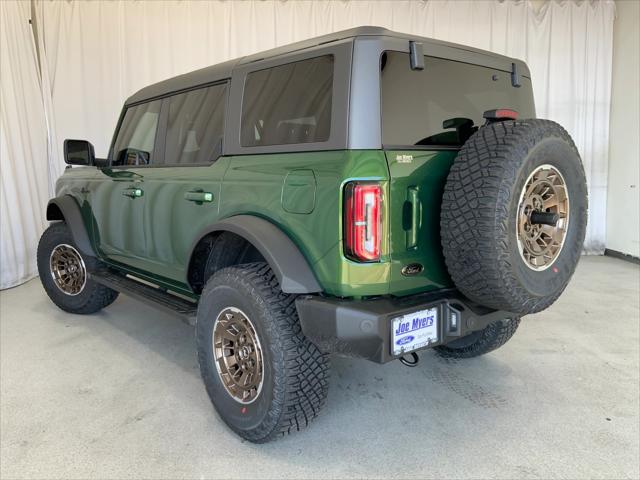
416	218
199	197
132	192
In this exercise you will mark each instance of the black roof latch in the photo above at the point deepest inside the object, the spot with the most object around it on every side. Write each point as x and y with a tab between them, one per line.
417	56
515	77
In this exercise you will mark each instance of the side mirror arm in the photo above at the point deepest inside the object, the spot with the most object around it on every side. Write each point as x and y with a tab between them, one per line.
101	162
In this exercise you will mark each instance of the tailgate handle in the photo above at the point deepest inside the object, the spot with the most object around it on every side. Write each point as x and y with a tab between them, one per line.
416	218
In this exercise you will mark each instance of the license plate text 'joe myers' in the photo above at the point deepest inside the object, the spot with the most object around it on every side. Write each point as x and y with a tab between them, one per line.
416	324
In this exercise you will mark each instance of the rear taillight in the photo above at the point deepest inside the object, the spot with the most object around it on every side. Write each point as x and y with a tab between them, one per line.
362	221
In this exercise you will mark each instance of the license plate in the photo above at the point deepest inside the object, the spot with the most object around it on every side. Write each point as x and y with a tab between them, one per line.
414	330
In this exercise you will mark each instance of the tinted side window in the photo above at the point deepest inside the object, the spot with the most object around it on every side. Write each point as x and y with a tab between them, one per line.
195	126
288	103
415	103
136	137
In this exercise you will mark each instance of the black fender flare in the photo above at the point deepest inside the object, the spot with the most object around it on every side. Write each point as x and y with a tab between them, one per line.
283	256
65	208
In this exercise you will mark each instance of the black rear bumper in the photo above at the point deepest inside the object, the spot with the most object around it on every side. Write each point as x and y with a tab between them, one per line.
362	328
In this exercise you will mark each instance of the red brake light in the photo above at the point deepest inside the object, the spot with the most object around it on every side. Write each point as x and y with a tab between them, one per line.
362	221
500	114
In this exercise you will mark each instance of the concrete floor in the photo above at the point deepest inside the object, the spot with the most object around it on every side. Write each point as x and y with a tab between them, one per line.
118	395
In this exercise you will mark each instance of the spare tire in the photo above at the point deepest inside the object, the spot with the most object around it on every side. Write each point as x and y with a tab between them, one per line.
514	215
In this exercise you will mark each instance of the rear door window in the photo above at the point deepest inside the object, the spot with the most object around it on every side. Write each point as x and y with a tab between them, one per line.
135	143
288	104
195	126
416	103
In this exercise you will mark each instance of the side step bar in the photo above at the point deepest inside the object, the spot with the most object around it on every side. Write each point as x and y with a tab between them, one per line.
153	296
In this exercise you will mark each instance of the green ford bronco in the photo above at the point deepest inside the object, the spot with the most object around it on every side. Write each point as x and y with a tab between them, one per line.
365	193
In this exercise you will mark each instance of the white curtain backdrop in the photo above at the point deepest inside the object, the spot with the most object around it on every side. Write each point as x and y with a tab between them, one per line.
95	54
24	163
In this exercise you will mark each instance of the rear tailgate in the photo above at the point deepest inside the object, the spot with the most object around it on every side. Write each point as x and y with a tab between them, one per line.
427	115
418	179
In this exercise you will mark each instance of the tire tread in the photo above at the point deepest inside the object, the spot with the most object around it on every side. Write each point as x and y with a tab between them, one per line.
99	296
475	208
302	391
492	337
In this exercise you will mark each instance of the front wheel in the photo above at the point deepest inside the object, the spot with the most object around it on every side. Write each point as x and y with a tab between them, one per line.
64	273
264	378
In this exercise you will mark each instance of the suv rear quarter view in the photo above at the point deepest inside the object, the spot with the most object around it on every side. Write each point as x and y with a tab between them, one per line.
366	193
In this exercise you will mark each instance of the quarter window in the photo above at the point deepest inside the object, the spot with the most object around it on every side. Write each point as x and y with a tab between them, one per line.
288	104
136	137
195	126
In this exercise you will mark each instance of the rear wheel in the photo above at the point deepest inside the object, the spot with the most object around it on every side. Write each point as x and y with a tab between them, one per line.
64	273
264	378
483	341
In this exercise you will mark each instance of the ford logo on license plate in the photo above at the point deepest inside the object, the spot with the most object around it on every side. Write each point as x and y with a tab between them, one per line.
405	340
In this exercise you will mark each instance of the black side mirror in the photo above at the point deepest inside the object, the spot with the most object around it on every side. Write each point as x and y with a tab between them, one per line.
79	152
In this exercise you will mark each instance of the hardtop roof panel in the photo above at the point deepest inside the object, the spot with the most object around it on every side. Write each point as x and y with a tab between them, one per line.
224	70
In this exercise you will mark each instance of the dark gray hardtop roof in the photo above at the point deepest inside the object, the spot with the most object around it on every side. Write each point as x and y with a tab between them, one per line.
224	70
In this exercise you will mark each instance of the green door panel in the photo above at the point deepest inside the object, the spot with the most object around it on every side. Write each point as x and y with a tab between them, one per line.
180	202
417	183
117	199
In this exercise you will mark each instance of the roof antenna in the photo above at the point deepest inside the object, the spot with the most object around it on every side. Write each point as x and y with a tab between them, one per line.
417	56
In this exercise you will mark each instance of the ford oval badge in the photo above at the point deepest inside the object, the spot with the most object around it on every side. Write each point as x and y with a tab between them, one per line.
405	340
412	269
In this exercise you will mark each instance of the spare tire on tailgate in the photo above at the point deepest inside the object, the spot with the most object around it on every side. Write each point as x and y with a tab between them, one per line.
514	215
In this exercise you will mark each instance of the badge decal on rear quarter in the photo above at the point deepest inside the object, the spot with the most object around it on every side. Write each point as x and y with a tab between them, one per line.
404	158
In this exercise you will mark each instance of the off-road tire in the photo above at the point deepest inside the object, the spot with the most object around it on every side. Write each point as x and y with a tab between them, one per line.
296	373
480	211
93	297
483	341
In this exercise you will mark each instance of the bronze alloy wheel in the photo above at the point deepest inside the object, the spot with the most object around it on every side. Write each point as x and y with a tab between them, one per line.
543	217
238	355
67	269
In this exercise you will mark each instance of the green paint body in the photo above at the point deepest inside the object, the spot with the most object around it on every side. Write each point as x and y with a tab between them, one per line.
152	234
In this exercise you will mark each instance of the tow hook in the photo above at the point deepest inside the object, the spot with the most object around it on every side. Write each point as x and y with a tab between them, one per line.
410	363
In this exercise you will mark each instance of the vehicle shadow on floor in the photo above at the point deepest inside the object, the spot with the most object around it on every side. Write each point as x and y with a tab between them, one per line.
153	331
439	396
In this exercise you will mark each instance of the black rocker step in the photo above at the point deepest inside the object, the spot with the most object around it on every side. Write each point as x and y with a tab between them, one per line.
148	294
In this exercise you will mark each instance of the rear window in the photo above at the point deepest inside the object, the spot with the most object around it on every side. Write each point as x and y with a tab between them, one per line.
288	104
415	103
195	126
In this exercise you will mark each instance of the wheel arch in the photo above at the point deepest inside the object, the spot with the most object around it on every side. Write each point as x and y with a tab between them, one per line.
66	209
285	259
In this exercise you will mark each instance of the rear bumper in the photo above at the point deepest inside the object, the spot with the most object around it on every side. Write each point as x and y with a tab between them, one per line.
362	328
